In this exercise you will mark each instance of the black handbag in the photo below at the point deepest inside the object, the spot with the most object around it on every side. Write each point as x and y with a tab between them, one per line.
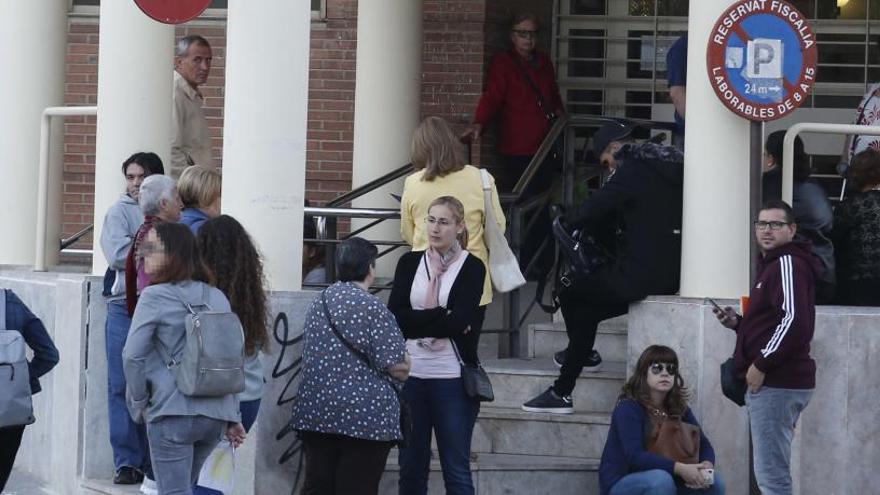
405	413
476	381
582	254
732	385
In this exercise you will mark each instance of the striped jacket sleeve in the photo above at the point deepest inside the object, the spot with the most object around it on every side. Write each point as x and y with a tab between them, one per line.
795	328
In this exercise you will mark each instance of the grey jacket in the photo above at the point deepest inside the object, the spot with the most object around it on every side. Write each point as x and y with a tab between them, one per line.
159	319
120	224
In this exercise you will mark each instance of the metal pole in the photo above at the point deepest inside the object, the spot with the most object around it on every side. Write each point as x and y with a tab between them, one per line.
43	183
756	172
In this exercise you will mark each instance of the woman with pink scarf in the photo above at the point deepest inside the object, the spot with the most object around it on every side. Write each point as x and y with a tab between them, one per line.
436	300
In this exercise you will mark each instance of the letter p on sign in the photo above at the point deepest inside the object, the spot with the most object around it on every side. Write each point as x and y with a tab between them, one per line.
764	59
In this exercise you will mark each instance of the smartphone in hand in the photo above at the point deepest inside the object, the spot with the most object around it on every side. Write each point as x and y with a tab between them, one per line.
714	304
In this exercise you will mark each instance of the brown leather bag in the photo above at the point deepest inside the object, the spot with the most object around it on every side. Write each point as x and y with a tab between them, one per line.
674	439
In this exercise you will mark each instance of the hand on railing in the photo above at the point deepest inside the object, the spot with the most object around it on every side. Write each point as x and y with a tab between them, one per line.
472	132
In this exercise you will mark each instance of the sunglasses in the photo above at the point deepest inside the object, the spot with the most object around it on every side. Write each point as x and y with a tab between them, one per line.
658	368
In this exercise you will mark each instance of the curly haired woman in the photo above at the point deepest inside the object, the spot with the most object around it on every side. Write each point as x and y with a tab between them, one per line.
229	252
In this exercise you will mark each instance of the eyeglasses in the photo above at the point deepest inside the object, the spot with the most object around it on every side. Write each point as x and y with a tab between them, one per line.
658	368
525	33
443	222
773	225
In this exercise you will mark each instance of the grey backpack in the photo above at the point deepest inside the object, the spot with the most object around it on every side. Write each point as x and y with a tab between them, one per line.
211	360
16	408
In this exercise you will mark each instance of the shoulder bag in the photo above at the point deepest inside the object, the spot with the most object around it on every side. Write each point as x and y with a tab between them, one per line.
475	379
674	439
583	255
405	414
503	265
732	386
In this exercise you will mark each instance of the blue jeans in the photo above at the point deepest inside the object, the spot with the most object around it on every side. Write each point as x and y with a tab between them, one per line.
441	406
179	446
659	482
249	410
773	413
127	438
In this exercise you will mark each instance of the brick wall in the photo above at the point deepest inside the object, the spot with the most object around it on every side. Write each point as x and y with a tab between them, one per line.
331	102
81	88
455	53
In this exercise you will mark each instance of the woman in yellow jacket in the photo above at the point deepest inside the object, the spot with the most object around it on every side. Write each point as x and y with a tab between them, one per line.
438	157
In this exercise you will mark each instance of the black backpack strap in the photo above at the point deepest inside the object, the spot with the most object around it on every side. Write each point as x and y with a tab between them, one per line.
553	272
360	355
348	345
542	104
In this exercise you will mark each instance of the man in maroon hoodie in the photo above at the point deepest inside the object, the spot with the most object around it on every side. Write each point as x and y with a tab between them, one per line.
773	343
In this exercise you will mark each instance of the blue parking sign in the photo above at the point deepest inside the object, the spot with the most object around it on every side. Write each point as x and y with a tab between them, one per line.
761	59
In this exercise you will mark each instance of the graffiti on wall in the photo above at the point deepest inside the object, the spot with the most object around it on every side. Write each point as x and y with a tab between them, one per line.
291	351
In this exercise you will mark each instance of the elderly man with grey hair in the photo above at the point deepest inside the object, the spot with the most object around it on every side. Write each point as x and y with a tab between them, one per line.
190	139
160	202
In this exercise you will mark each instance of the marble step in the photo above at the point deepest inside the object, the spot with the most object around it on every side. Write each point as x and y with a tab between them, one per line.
517	380
513	431
502	474
545	339
106	487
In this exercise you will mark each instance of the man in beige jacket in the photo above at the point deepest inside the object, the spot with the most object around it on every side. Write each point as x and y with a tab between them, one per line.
190	139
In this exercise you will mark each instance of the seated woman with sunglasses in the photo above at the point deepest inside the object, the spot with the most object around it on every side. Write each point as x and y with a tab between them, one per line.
654	394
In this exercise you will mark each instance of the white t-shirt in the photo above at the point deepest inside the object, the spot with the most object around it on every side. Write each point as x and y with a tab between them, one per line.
439	360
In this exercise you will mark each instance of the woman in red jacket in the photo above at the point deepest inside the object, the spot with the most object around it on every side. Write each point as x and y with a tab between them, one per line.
522	91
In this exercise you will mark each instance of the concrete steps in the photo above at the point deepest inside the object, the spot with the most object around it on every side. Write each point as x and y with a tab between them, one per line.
106	487
502	474
517	380
513	431
544	339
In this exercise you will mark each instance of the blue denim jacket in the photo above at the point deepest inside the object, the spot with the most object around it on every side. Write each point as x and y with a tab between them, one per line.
193	218
19	317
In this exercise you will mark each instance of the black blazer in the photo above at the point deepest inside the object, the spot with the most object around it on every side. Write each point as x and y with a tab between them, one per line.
462	308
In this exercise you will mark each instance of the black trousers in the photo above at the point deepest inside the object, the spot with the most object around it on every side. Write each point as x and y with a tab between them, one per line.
340	465
10	440
585	304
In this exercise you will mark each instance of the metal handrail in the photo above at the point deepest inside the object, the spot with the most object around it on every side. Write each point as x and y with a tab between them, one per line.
383	213
66	243
43	183
371	186
540	156
818	128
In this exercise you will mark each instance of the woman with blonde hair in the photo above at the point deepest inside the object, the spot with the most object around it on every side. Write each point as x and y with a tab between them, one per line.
438	157
199	188
436	301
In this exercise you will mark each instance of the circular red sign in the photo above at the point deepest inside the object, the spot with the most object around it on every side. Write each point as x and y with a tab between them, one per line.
173	11
761	59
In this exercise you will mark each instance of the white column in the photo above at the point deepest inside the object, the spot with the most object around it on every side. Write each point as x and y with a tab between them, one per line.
33	37
266	114
135	63
387	103
716	225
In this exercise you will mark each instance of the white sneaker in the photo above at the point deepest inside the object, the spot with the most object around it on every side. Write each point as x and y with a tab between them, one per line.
148	487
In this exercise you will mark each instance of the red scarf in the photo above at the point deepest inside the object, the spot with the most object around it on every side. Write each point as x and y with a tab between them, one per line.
133	260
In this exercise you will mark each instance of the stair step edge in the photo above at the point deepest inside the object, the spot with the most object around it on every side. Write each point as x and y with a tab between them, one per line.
583	417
